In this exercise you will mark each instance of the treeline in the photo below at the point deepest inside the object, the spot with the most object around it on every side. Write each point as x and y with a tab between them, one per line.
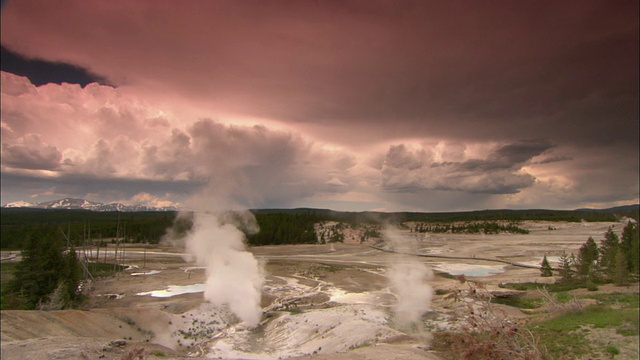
485	227
16	225
47	277
278	226
589	215
615	259
276	229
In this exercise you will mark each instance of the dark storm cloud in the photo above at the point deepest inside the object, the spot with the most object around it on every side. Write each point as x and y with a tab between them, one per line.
90	187
553	159
44	72
466	69
415	170
510	156
360	82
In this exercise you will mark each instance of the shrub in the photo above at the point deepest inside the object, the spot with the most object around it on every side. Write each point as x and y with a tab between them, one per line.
488	333
612	350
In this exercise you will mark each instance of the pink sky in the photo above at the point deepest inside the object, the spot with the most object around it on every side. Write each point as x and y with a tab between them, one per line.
349	105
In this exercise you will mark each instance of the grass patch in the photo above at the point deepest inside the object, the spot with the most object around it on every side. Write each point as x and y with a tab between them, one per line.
612	350
565	333
101	269
563	297
519	302
332	268
559	287
598	316
623	300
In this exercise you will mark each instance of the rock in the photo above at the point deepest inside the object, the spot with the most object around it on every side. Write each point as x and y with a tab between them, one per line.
507	294
119	343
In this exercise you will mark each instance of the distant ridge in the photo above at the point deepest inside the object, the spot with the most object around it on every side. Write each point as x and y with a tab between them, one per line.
474	215
82	204
614	209
610	214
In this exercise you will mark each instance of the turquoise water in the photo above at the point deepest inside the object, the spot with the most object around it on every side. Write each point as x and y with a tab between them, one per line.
470	270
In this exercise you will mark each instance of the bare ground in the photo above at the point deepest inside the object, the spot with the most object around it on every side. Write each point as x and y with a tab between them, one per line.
320	302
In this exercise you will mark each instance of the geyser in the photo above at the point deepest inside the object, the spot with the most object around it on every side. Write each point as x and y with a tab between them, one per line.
234	275
409	278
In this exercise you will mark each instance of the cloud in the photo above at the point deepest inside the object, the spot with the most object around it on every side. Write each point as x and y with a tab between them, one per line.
258	165
143	198
408	170
97	134
479	71
336	182
31	152
418	104
108	144
552	159
518	153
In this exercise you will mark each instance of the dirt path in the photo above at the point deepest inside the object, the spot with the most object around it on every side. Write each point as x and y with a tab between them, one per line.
450	257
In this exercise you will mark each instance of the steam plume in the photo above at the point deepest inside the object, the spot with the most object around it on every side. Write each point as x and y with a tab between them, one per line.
409	281
234	276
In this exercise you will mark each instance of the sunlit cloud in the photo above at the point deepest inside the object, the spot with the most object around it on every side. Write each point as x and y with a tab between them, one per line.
415	106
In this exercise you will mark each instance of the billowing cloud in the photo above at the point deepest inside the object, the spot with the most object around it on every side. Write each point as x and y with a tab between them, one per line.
410	170
31	152
110	137
417	105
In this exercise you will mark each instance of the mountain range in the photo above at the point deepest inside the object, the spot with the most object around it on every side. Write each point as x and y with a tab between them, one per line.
82	204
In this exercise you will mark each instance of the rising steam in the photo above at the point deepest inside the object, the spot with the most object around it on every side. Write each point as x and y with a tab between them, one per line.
409	278
234	275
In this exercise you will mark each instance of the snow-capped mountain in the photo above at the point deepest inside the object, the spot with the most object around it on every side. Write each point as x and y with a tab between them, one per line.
71	203
19	204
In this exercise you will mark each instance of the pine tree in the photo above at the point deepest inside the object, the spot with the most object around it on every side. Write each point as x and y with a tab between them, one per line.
545	268
629	245
566	273
608	250
37	275
587	257
621	272
45	278
71	278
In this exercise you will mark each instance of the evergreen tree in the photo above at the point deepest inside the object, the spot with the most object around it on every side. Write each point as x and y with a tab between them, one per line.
71	277
545	268
566	273
629	246
621	272
37	275
587	257
45	277
608	250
